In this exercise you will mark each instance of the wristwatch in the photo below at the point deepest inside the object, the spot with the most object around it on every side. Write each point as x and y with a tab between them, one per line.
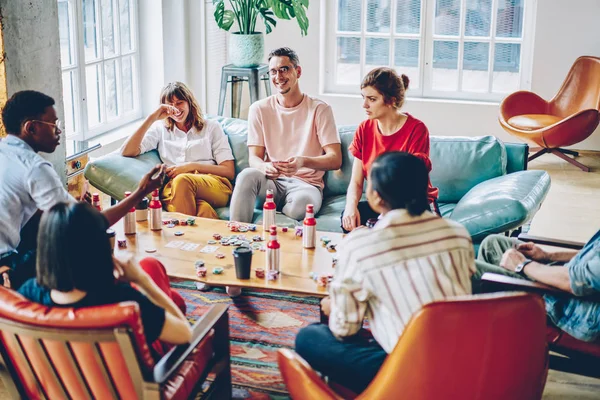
519	269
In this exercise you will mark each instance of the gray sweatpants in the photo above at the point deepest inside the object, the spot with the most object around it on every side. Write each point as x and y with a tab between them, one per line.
291	195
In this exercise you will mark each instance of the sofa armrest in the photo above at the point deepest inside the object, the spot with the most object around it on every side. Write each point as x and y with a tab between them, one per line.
551	242
114	174
216	318
501	204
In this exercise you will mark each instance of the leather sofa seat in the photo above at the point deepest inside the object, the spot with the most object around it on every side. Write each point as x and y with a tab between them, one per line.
462	168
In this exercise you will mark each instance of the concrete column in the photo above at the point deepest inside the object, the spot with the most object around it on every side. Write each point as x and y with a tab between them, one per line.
31	57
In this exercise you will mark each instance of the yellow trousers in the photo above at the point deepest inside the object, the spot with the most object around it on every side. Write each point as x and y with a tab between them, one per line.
197	194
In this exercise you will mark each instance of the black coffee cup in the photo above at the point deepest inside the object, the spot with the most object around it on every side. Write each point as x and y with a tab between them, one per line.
242	257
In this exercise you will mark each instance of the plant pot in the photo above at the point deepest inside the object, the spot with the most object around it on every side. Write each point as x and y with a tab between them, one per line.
246	50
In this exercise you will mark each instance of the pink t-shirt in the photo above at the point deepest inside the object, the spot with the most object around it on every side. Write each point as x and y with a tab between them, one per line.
288	132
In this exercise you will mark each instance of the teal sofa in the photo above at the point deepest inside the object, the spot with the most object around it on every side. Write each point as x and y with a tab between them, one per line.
484	183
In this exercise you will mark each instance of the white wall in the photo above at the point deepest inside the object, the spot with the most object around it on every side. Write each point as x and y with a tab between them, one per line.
32	57
564	30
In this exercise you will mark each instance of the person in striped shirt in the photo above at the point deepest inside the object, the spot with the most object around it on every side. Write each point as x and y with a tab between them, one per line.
411	257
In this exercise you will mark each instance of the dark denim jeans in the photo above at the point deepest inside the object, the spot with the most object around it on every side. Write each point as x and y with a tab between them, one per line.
352	362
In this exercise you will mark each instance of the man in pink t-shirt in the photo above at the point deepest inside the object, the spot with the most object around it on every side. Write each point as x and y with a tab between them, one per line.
292	141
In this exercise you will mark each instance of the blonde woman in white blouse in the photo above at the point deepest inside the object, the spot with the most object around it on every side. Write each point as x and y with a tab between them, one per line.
196	152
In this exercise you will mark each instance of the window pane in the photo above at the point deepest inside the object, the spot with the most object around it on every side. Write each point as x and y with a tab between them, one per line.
475	67
127	73
445	65
406	60
126	23
65	34
408	16
477	20
510	18
92	84
90	30
108	28
348	61
110	88
378	53
69	101
447	17
378	15
507	68
349	15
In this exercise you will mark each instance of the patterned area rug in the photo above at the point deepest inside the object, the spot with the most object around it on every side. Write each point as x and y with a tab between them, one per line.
260	322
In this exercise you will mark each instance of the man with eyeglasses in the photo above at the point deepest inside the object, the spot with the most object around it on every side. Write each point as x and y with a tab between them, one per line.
29	184
292	141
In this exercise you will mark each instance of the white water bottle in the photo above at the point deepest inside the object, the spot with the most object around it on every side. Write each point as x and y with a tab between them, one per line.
309	228
129	220
269	211
273	249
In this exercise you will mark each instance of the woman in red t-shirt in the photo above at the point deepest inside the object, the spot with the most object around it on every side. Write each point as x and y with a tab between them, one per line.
386	129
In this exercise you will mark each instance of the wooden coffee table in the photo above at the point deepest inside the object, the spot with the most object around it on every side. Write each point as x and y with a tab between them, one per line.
296	262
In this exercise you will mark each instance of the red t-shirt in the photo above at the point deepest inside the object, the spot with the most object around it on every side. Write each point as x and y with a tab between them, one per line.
412	138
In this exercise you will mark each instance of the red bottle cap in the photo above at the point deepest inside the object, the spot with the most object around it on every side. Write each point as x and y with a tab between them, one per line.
310	208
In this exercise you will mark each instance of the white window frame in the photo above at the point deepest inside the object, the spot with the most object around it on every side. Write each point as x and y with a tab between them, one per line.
329	35
82	129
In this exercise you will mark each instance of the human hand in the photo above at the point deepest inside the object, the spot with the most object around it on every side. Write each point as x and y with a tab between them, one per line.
511	258
128	270
290	166
326	306
175	170
164	110
269	170
85	195
351	218
533	252
152	180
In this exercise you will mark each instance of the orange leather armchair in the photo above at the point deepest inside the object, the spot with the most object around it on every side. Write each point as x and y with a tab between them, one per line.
481	347
101	353
575	356
570	117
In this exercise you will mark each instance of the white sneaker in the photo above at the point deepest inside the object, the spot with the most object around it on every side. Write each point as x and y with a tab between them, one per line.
203	287
233	291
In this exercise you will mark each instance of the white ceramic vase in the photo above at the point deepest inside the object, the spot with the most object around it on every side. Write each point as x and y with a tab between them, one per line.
246	50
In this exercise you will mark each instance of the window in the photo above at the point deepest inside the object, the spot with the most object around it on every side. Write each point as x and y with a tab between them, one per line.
99	59
453	49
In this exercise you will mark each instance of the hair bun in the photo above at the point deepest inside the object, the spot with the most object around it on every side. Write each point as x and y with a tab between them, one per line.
405	81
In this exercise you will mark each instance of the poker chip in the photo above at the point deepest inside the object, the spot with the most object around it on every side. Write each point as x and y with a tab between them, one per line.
212	242
150	250
284	229
260	273
216	236
217	270
122	243
171	226
220	255
199	263
178	233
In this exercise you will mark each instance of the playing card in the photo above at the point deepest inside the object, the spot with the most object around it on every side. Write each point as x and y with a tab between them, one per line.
209	249
175	244
190	246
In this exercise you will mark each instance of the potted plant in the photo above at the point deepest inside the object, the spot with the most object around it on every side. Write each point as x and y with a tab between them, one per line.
246	45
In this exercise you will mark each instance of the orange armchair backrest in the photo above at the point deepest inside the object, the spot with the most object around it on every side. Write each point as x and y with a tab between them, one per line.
580	90
481	347
97	352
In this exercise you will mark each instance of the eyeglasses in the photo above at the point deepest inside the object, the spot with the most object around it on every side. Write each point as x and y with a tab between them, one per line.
58	126
282	70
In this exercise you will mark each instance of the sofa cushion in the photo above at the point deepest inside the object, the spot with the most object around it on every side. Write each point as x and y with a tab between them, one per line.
337	181
236	131
532	122
502	203
460	163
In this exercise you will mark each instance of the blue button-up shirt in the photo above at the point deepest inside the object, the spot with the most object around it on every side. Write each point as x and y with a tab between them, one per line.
578	317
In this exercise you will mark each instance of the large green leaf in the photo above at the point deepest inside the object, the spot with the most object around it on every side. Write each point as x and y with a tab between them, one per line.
224	18
300	7
283	9
267	15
